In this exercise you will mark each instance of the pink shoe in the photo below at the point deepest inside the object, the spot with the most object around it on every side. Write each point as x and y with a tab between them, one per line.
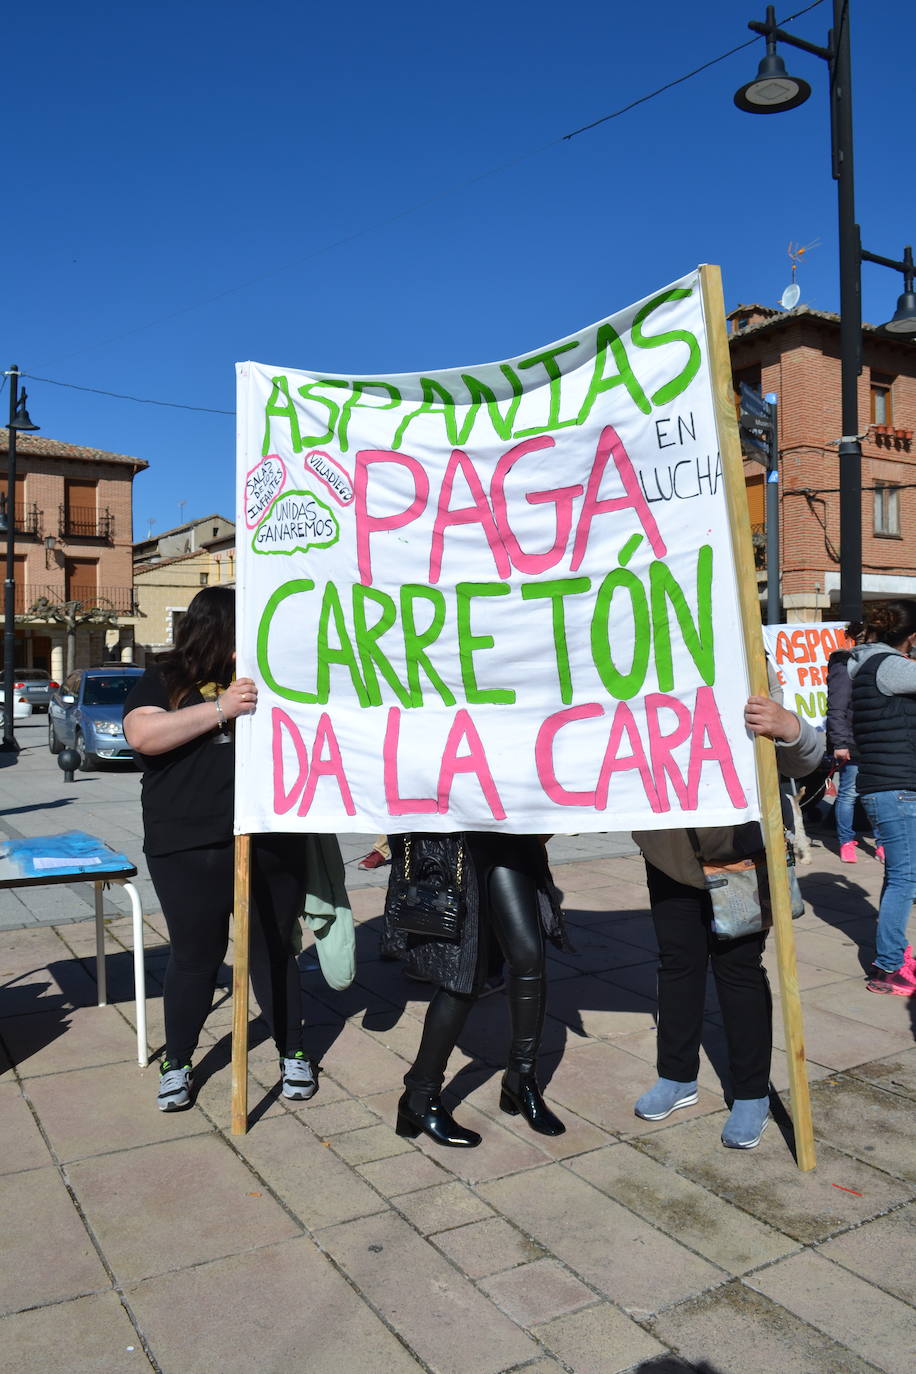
908	968
898	982
879	853
848	852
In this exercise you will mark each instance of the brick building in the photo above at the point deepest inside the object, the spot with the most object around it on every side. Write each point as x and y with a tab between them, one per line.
796	354
74	543
170	569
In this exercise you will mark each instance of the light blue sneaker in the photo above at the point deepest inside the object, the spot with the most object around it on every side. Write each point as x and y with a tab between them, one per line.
747	1123
664	1098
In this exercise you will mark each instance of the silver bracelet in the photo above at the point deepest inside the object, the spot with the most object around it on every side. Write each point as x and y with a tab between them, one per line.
219	711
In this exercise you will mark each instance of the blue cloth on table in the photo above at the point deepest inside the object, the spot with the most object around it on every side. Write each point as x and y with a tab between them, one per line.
72	852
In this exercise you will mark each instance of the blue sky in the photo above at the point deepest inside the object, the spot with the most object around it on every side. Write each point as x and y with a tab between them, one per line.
357	189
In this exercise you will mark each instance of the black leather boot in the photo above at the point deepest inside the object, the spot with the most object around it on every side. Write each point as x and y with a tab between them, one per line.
521	1096
420	1111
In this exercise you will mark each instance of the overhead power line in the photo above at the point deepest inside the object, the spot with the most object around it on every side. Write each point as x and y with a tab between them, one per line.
679	80
404	213
120	396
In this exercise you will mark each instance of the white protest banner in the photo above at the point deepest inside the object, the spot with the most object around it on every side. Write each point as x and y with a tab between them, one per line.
495	597
799	654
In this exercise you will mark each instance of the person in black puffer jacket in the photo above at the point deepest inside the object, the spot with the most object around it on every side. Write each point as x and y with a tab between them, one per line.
842	745
884	723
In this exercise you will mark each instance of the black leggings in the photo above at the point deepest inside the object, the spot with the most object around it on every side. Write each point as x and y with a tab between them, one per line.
682	916
195	891
508	868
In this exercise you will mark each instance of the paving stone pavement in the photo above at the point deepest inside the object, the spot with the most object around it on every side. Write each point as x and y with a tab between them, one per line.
322	1241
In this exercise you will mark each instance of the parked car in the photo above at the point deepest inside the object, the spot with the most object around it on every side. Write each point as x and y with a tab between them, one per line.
86	714
34	684
22	707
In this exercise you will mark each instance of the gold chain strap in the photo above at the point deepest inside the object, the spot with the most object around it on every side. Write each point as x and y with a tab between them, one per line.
459	868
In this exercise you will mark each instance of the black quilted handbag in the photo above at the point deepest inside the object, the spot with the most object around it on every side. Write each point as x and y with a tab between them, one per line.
431	903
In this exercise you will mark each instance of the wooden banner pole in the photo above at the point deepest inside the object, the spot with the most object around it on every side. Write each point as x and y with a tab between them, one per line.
765	752
240	944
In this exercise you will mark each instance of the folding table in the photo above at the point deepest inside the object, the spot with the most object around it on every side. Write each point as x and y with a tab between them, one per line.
74	857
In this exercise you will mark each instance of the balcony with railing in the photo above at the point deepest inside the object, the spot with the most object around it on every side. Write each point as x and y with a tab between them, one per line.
85	522
116	600
28	517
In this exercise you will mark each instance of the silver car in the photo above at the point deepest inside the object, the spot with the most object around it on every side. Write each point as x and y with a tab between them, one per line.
32	685
86	714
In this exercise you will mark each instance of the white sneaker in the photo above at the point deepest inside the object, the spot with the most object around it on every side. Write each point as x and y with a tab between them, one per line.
298	1077
174	1088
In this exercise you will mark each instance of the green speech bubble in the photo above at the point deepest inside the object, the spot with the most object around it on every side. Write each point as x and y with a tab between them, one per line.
294	523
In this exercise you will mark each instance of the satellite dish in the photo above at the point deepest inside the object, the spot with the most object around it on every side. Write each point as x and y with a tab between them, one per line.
790	297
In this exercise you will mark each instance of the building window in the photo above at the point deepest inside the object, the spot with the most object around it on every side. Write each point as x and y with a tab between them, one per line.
176	615
80	515
204	579
882	410
21	598
887	511
750	376
82	580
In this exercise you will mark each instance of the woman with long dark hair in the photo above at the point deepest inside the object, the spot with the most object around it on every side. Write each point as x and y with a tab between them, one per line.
179	719
508	894
884	722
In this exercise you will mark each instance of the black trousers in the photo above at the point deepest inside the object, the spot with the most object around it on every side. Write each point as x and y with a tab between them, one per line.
682	916
195	890
508	868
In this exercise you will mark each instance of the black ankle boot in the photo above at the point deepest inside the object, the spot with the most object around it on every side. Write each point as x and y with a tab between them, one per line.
423	1112
522	1096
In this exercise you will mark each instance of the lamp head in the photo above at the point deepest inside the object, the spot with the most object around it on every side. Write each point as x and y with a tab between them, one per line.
21	421
773	90
904	321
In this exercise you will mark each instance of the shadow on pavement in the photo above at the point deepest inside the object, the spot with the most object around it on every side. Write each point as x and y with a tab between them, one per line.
21	1037
219	1057
381	993
671	1364
845	905
35	1006
38	806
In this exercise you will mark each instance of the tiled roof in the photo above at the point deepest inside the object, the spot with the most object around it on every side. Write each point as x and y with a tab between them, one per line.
176	529
40	447
141	568
782	318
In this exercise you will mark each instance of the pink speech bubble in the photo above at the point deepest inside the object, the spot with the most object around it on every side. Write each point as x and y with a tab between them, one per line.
265	481
330	472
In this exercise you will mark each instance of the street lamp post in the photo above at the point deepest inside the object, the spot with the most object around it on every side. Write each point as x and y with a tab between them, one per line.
19	421
772	92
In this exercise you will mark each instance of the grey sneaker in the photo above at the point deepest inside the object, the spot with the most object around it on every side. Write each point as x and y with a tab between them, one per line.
174	1087
747	1123
664	1098
298	1077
